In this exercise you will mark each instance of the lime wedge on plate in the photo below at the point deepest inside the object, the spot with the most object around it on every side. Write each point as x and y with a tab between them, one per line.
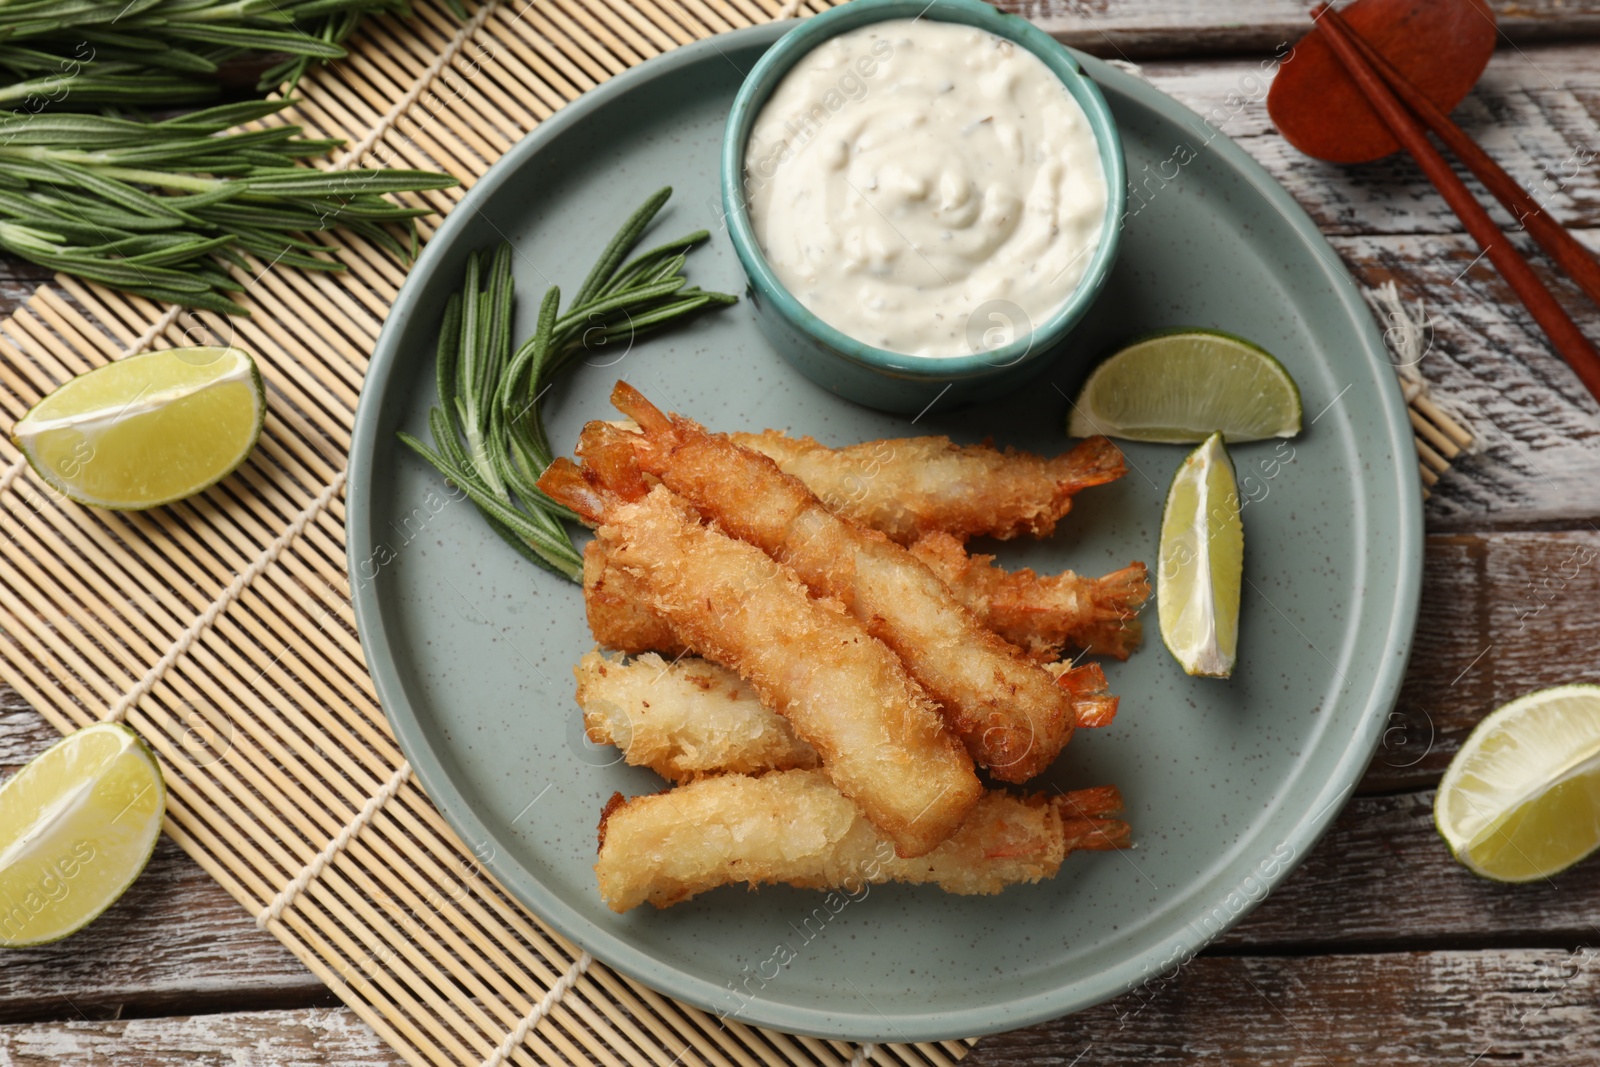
1182	386
148	429
77	825
1521	800
1202	563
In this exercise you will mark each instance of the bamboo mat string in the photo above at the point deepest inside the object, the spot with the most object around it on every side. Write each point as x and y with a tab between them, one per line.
546	1004
11	473
863	1054
789	10
418	86
319	863
207	618
154	330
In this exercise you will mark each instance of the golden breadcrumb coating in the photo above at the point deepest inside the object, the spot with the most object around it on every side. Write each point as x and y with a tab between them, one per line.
911	486
1012	716
796	828
880	738
684	719
1042	613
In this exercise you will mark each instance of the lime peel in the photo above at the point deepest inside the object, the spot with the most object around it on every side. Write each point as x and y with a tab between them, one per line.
77	825
148	429
1521	799
1180	386
1201	567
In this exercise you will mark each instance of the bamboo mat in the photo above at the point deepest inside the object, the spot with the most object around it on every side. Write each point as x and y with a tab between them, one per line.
221	629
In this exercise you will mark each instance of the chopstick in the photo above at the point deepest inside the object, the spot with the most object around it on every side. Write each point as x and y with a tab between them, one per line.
1563	333
1579	263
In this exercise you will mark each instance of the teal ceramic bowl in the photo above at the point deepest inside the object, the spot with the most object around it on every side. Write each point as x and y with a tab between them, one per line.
876	377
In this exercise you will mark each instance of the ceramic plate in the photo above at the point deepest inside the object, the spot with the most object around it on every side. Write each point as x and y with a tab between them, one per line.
1228	784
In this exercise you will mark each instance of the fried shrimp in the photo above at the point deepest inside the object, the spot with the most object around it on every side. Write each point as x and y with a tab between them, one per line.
618	616
690	717
880	738
1008	711
684	719
919	485
796	828
1042	613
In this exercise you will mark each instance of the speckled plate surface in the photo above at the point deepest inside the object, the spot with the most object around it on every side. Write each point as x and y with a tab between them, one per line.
1228	784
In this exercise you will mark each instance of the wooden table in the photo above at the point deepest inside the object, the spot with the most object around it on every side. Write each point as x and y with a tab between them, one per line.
1378	949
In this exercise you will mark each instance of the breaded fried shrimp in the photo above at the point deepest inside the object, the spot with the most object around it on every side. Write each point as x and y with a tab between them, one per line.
880	738
1042	613
689	717
795	828
1008	711
912	486
684	719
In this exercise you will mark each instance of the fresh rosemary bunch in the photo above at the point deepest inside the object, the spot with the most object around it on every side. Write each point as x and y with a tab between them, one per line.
488	433
81	54
146	207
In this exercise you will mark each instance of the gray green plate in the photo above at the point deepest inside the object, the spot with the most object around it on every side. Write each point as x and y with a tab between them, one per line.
1228	784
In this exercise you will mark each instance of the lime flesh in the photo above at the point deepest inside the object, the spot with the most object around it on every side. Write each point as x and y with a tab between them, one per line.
1182	386
1202	563
77	825
1521	800
146	430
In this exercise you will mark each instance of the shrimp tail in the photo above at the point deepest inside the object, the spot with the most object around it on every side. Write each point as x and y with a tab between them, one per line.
579	488
608	454
1086	822
1117	597
1095	461
1092	701
632	403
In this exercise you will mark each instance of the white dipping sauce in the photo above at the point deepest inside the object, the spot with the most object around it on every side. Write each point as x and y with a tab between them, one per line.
907	174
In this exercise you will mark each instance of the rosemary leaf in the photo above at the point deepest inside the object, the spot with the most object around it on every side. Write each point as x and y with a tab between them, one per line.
488	428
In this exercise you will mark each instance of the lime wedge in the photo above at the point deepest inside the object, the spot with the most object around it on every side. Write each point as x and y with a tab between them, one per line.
1521	800
1182	386
148	429
1202	563
77	825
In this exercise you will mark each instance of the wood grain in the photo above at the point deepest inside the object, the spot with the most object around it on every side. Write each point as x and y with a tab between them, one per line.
1419	1008
1502	614
1416	1008
1382	878
1141	28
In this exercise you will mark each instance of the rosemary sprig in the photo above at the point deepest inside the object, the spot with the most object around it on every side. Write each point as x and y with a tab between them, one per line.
80	54
146	207
488	431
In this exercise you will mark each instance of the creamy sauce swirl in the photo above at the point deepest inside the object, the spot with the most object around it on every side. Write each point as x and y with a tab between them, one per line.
925	187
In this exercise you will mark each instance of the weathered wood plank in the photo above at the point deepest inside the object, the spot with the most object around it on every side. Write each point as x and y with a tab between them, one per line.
303	1038
1383	878
1502	615
1536	110
1424	1008
176	941
1140	28
1534	1006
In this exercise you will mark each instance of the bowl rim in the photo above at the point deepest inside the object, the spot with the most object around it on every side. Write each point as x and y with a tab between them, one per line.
776	63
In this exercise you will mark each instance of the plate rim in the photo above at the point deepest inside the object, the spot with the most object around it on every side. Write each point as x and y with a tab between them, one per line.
616	951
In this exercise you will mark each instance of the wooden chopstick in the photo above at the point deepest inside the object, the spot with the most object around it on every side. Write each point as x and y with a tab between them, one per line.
1563	333
1579	263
